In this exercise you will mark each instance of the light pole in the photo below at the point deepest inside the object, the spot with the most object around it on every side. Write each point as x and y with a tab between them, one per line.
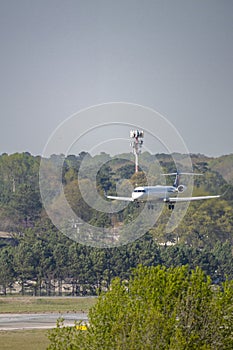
136	144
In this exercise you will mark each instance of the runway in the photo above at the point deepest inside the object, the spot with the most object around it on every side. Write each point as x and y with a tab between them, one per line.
38	321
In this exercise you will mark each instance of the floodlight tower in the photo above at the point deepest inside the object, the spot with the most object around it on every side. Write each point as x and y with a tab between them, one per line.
137	136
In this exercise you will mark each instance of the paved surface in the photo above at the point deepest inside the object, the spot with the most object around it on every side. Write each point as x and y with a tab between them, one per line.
38	321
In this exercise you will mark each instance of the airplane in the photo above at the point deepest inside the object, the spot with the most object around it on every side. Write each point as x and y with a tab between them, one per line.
162	193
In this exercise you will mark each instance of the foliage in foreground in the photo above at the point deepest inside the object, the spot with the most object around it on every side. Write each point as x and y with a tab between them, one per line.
159	308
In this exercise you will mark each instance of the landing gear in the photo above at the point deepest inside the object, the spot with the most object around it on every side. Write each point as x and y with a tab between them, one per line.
171	206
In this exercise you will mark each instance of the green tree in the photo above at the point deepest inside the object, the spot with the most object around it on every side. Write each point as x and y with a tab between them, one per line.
45	265
24	263
7	270
158	308
60	255
224	256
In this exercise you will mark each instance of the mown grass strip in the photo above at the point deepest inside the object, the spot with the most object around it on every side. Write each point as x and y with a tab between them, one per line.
24	340
45	304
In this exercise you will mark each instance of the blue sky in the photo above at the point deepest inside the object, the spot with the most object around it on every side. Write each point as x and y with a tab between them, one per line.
58	57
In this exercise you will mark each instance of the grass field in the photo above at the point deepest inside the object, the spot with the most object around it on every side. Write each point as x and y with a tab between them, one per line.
36	339
24	340
45	304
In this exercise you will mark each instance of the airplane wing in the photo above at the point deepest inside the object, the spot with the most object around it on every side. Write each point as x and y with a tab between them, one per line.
188	199
126	199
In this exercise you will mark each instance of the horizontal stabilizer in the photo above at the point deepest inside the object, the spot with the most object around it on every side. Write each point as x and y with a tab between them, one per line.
179	173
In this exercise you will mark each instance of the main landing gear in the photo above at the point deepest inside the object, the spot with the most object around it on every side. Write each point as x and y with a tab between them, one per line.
171	206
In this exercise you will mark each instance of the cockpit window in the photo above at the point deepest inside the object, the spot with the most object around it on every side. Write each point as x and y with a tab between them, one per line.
142	191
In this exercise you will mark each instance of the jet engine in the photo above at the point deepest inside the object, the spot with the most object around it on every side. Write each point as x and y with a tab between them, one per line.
181	188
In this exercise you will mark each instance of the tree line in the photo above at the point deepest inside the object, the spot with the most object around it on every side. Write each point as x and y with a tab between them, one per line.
41	259
37	255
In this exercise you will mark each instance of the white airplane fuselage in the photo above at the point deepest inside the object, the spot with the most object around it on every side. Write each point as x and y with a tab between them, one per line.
150	193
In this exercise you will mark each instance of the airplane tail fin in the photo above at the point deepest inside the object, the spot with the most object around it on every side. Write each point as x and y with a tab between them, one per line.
176	183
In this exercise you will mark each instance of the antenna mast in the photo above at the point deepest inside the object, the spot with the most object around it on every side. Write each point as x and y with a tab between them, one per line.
136	144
